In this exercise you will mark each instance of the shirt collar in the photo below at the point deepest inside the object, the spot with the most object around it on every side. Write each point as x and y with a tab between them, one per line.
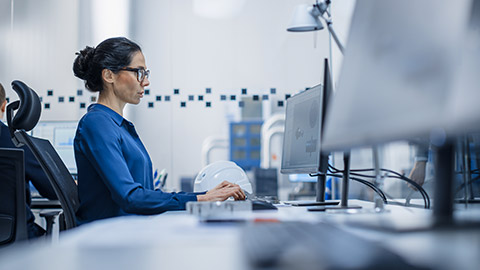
115	116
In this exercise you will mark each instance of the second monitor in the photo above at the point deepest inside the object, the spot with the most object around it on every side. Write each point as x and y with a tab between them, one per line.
301	143
302	139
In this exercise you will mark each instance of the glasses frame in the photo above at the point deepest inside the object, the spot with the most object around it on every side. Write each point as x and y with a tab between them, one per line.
141	73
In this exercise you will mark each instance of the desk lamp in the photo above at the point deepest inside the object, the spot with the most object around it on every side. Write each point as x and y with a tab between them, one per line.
307	18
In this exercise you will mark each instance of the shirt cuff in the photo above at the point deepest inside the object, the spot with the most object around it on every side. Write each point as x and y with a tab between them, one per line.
419	159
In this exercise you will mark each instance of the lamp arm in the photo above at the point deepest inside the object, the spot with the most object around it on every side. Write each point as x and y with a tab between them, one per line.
334	35
319	10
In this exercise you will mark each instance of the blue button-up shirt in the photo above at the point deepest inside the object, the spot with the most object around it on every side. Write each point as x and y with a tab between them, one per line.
115	171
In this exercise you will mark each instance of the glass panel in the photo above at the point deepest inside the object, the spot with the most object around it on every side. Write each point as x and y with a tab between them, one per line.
255	129
254	141
239	130
239	154
255	154
240	142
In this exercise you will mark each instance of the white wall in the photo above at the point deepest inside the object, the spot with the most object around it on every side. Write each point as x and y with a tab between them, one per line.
184	50
247	48
37	47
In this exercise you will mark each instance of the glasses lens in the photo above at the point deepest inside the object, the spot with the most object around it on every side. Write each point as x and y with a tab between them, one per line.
140	75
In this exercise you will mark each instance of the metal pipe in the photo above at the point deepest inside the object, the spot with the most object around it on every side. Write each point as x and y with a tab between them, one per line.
208	145
267	137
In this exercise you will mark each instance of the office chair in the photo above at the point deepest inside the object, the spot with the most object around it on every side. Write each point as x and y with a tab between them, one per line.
27	116
13	222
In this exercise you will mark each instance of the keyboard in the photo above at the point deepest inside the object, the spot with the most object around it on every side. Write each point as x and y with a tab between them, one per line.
262	205
299	245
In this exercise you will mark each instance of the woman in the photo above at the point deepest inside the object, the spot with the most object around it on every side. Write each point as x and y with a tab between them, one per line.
114	169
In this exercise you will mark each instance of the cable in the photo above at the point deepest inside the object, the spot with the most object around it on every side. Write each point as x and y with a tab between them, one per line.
372	186
399	176
413	183
424	194
365	182
422	191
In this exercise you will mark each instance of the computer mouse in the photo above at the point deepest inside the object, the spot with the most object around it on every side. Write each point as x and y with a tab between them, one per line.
262	205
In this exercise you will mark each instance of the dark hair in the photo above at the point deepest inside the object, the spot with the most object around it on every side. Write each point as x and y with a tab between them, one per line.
2	94
113	54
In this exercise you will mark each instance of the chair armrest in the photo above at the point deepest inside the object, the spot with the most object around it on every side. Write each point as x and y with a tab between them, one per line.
43	203
49	217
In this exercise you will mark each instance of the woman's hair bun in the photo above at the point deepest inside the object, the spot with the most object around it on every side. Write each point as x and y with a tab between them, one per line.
112	54
82	64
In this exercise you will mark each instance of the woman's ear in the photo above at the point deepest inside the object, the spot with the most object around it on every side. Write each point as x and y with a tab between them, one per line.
2	106
108	75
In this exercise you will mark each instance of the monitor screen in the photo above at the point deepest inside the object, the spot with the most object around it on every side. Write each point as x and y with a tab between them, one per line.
396	73
301	140
464	113
61	135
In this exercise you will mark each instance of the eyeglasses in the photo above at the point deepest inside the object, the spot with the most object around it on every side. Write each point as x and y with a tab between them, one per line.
141	73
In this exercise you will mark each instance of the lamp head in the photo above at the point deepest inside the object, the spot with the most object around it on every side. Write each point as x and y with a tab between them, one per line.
305	18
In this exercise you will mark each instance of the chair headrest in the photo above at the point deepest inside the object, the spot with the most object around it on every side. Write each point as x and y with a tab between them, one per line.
29	108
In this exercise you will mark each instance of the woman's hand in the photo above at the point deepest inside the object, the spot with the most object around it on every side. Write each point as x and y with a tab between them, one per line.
222	192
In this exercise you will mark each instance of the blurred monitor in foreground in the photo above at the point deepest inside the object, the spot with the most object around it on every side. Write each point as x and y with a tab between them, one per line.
464	112
61	135
301	141
397	72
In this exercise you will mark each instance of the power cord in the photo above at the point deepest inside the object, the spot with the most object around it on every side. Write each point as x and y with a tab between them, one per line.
368	184
396	175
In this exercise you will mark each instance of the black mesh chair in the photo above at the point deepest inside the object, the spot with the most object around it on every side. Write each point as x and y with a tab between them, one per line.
13	223
27	116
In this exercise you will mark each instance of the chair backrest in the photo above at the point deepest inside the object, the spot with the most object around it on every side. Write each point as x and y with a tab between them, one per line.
28	109
58	174
13	220
26	118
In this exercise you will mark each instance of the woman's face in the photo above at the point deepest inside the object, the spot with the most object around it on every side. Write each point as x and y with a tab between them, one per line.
126	86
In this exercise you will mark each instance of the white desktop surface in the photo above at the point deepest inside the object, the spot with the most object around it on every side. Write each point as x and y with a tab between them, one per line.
176	240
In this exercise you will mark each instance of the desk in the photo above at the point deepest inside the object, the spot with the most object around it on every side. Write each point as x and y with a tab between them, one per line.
175	240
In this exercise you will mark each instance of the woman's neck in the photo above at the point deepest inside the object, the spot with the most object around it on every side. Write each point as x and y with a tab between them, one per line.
111	102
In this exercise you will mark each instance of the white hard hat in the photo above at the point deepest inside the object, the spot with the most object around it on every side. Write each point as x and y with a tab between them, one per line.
217	172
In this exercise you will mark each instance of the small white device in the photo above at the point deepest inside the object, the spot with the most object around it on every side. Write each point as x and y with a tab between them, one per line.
213	174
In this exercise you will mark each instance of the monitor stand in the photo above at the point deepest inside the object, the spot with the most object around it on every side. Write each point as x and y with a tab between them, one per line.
444	173
320	189
345	181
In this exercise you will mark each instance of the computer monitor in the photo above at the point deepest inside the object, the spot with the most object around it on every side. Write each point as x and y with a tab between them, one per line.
322	162
61	135
301	142
396	79
396	73
464	113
